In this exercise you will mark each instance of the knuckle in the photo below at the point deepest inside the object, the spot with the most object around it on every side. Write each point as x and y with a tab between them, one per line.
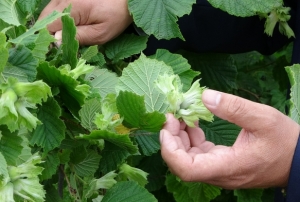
236	106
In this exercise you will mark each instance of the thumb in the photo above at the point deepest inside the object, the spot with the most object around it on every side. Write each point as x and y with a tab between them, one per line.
244	113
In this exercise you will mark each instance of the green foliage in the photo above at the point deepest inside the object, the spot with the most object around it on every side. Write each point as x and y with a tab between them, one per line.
132	108
191	191
11	13
293	73
82	123
163	21
272	10
129	192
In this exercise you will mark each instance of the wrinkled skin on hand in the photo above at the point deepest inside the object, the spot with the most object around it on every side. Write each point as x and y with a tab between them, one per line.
97	21
260	157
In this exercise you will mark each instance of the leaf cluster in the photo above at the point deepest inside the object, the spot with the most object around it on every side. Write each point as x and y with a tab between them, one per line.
85	120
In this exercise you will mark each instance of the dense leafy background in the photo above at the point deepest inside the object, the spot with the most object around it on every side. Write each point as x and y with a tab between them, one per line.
94	136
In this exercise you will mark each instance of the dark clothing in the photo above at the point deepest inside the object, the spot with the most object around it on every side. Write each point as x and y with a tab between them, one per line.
208	29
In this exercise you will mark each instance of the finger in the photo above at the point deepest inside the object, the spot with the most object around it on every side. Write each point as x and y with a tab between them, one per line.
195	165
59	7
175	157
58	37
182	125
48	9
194	151
247	114
172	124
196	136
180	143
185	139
51	7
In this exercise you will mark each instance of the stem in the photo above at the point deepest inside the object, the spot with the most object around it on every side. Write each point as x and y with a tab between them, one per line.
251	93
80	179
61	181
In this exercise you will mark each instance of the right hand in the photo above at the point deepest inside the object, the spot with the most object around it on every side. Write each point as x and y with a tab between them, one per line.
97	21
260	157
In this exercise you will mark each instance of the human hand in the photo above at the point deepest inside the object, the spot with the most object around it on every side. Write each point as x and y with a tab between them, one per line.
97	21
260	157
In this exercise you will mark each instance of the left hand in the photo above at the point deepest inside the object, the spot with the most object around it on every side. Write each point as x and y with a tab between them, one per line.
97	21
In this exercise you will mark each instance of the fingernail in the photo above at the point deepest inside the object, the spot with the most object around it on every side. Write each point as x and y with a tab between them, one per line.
211	98
161	134
58	37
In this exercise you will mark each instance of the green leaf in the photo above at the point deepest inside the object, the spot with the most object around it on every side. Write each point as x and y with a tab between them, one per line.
294	76
220	132
148	142
39	25
4	177
155	166
90	52
52	194
179	65
16	72
125	46
50	134
245	8
122	141
186	191
159	17
26	149
132	108
64	156
10	145
103	81
51	163
11	13
128	192
221	67
3	51
4	26
248	195
66	84
21	58
14	32
179	190
105	182
69	43
89	165
278	100
78	154
112	157
139	78
98	60
133	174
28	6
88	113
41	45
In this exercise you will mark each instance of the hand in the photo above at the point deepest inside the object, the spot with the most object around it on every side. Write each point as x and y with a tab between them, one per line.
260	157
97	21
